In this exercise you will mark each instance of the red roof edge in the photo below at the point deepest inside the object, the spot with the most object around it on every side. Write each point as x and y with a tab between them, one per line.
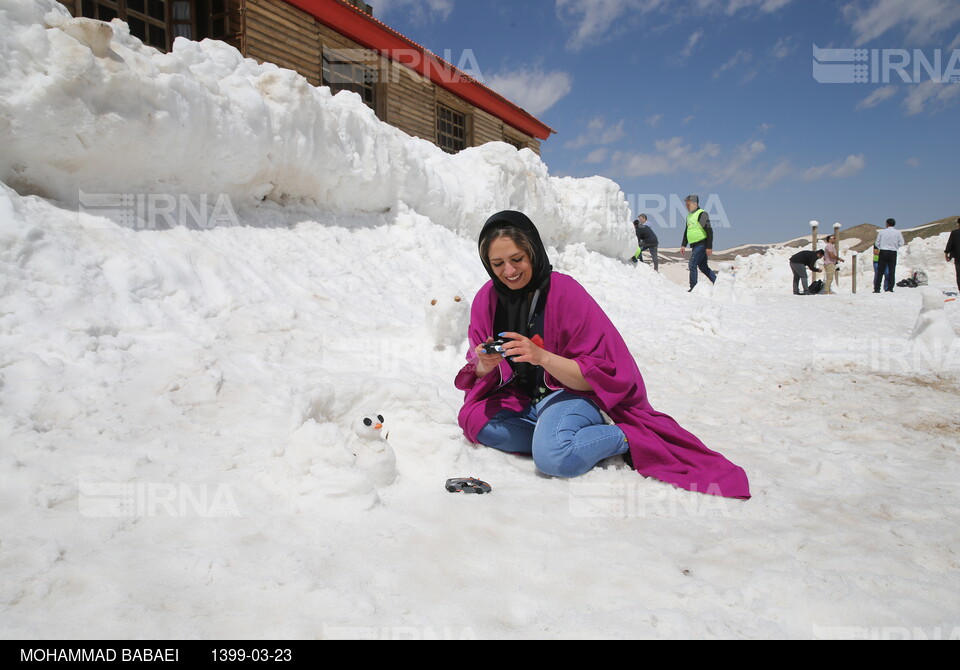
374	34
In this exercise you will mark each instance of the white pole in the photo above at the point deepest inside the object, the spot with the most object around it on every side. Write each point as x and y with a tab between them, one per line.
814	225
836	245
854	272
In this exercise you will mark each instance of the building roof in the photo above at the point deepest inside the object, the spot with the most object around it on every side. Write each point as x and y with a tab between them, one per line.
374	34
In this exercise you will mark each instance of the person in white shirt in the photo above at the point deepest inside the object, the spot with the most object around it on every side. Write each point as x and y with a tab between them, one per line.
889	242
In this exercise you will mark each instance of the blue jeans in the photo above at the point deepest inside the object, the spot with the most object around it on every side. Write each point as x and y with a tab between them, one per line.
565	434
698	262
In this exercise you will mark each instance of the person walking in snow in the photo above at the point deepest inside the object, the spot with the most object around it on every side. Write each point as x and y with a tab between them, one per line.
698	235
889	242
799	264
952	251
560	367
830	261
646	240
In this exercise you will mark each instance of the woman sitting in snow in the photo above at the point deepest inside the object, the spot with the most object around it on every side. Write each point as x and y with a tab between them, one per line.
563	363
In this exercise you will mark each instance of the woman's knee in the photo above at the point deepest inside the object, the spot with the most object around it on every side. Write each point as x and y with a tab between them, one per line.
557	459
506	433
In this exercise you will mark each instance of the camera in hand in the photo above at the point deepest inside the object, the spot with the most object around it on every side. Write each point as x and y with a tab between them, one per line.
495	347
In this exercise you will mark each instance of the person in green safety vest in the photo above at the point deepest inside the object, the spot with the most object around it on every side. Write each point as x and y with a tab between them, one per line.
698	235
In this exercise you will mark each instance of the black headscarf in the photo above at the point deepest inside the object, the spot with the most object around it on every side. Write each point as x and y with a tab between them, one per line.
514	305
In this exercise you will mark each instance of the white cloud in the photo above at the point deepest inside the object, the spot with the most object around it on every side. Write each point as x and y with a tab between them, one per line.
669	157
597	156
654	120
762	6
598	132
692	41
783	48
955	44
931	96
731	7
749	65
926	96
913	162
921	21
742	166
880	95
595	21
851	166
532	89
745	166
738	61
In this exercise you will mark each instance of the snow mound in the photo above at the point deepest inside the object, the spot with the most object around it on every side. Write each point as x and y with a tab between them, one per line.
79	98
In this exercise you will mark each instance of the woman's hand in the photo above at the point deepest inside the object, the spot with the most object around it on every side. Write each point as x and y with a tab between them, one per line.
487	362
564	370
523	350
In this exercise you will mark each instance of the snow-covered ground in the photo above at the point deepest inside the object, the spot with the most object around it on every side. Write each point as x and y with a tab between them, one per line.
178	405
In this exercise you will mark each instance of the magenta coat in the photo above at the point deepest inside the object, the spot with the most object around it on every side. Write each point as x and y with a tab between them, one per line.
577	328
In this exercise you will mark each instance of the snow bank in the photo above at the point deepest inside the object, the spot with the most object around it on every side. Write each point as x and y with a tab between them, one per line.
179	406
87	107
926	255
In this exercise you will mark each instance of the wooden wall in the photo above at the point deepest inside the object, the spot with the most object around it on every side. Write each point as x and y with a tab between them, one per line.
276	32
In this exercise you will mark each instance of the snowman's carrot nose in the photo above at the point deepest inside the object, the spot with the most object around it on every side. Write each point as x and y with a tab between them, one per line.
378	426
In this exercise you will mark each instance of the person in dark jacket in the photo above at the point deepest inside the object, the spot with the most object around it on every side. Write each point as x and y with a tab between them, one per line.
698	235
646	240
799	264
952	251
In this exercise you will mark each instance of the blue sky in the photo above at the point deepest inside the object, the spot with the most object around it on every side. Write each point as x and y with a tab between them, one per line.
718	97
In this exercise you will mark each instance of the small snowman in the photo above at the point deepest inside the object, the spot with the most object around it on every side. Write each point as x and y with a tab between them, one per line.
373	453
725	288
933	326
448	318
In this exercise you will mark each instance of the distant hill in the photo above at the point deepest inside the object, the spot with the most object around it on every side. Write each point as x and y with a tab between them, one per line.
859	238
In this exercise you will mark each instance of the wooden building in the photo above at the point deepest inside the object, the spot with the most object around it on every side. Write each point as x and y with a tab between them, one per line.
338	43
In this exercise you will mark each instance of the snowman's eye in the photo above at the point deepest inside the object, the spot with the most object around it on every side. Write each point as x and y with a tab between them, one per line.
367	422
380	418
